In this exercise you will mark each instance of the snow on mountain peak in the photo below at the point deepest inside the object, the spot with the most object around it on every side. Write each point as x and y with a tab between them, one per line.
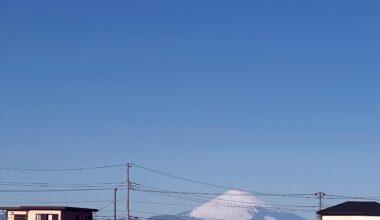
231	205
241	198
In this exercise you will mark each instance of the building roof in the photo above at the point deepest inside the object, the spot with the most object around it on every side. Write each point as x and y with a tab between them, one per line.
353	208
61	208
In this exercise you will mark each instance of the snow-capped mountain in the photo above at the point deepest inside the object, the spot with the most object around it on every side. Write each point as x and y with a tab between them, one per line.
232	205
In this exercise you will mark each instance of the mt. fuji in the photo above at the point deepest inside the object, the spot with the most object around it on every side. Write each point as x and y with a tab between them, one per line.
232	205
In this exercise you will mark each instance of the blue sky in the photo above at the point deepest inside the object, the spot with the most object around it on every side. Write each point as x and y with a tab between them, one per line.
272	96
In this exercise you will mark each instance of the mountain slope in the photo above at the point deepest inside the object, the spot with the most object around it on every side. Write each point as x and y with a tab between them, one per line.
171	217
232	205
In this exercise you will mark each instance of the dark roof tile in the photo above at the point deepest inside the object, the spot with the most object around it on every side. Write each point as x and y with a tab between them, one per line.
353	208
66	208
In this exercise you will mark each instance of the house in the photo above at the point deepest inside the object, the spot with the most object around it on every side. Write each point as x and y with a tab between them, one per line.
351	211
48	213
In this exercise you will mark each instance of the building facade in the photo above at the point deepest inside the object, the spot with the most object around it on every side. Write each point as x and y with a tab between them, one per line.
48	213
351	211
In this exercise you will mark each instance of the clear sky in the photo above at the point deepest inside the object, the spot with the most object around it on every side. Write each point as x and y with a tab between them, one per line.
270	96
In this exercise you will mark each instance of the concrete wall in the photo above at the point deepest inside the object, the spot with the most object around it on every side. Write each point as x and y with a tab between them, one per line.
351	218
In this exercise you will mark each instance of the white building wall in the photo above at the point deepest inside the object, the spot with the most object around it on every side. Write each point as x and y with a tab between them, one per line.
350	217
11	214
32	214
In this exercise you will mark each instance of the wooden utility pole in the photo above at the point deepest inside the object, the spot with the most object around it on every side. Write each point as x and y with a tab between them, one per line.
128	185
320	196
114	204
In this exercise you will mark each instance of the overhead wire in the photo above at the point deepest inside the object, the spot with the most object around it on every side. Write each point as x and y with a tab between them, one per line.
71	185
52	190
343	197
57	202
62	169
181	195
218	202
52	183
217	186
226	203
242	194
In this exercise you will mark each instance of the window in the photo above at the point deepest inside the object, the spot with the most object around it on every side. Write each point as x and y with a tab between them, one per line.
20	217
46	217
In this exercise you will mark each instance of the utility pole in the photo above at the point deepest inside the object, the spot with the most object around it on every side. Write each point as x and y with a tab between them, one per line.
114	203
128	184
320	196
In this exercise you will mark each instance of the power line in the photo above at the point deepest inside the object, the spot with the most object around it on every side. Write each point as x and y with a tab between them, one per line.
53	190
195	205
182	195
215	202
56	202
52	183
217	186
106	206
71	185
112	211
166	204
181	178
235	204
61	170
200	197
330	196
304	196
146	212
